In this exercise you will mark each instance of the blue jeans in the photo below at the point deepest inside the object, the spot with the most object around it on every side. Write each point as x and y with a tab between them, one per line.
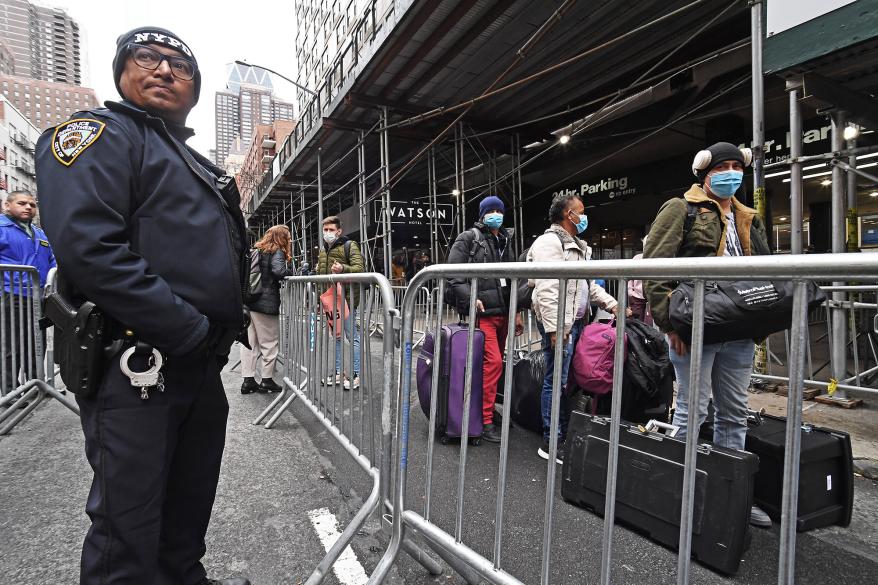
725	373
546	398
352	330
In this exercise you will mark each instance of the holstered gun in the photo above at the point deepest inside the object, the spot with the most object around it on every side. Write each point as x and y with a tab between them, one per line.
79	342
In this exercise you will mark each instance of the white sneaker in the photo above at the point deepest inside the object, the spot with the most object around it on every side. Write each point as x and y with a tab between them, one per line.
352	385
332	380
759	518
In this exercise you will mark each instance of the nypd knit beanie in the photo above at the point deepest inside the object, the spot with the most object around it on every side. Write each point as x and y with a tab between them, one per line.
152	35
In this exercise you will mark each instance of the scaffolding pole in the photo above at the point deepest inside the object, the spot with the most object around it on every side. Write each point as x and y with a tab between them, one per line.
319	195
838	347
461	198
305	255
853	243
516	160
385	194
796	211
361	198
434	205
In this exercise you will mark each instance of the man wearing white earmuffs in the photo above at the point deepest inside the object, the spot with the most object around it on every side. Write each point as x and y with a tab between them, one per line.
709	221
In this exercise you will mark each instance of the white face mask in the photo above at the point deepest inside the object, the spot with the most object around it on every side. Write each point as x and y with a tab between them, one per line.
329	237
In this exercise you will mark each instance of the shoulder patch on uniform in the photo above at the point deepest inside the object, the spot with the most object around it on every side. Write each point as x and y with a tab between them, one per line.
73	137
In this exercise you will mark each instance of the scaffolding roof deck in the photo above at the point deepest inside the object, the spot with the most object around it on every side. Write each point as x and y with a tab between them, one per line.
444	52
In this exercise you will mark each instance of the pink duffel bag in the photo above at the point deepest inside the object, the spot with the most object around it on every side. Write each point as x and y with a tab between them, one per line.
592	365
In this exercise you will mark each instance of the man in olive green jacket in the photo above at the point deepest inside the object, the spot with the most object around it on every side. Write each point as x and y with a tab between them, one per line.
341	255
709	221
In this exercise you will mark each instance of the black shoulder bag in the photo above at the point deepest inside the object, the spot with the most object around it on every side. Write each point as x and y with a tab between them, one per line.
742	309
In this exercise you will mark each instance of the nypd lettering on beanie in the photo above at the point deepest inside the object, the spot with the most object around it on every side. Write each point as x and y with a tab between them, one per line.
161	38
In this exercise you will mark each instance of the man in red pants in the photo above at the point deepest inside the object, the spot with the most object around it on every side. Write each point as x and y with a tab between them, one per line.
488	241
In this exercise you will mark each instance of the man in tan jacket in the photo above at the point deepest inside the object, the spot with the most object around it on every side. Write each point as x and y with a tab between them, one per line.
561	243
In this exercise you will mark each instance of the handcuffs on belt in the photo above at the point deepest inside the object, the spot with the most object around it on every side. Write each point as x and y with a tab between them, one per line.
151	378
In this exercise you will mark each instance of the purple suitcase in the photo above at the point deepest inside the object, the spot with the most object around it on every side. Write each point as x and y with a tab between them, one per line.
449	410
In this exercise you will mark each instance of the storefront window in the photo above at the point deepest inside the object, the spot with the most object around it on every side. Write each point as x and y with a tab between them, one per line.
782	237
869	231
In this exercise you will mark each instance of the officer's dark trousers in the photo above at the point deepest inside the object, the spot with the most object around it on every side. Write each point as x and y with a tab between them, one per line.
156	464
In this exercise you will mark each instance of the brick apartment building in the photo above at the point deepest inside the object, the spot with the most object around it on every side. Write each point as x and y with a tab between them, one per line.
263	146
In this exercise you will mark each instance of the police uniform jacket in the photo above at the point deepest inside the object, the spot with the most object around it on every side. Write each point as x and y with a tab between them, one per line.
16	247
141	225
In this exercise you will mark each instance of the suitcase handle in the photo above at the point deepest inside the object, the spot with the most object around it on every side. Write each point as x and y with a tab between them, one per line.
654	426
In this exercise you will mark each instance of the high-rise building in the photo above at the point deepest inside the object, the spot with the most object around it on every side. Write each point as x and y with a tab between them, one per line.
322	30
44	42
17	142
45	103
247	100
7	61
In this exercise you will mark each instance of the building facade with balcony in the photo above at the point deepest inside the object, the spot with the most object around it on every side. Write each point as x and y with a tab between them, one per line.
18	138
260	152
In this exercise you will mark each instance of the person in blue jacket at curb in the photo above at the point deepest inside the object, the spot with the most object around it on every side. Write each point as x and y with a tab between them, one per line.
23	244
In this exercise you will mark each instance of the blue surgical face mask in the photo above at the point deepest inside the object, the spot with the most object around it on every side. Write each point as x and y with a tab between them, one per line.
493	220
329	237
582	225
725	183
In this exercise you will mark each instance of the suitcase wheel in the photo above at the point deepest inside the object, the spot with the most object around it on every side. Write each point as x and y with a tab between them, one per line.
443	439
475	441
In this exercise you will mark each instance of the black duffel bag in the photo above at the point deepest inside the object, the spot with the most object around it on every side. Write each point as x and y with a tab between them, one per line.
744	309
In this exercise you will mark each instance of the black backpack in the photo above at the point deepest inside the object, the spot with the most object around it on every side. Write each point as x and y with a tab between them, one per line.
255	286
649	375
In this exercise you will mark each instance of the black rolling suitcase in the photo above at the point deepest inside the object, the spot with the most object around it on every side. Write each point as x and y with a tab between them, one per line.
826	472
650	487
524	409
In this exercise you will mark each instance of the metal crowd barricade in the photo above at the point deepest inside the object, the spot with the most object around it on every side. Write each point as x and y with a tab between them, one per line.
359	419
799	269
862	318
23	377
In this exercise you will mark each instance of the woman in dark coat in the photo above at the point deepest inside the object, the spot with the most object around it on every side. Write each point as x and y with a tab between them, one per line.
275	255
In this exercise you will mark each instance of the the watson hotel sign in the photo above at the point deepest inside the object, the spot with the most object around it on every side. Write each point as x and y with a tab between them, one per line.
416	213
612	188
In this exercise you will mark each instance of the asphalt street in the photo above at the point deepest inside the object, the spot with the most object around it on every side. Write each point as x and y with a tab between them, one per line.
829	555
272	479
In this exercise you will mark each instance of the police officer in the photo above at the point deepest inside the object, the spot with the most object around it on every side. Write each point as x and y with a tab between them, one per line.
150	232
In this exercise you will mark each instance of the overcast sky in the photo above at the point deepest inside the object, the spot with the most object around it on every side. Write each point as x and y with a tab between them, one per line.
218	32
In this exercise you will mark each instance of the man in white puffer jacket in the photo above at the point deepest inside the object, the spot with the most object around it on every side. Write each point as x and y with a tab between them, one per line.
560	243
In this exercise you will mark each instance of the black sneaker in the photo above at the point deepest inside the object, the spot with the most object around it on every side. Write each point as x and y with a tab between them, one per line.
543	451
492	433
249	386
231	581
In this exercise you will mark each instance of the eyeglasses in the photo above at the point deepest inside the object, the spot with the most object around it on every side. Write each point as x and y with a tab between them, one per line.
151	59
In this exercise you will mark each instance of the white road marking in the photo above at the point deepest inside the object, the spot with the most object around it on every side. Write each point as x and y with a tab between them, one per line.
347	568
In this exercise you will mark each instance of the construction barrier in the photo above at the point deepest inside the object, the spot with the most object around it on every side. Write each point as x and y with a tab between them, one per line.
23	379
405	518
861	316
325	325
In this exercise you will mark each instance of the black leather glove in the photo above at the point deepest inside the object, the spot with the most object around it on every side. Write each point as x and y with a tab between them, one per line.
243	337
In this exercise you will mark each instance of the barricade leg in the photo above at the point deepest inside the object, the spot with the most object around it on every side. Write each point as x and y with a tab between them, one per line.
688	498
33	396
23	348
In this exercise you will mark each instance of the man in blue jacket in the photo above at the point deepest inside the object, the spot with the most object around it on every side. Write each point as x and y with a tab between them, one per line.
152	233
21	243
